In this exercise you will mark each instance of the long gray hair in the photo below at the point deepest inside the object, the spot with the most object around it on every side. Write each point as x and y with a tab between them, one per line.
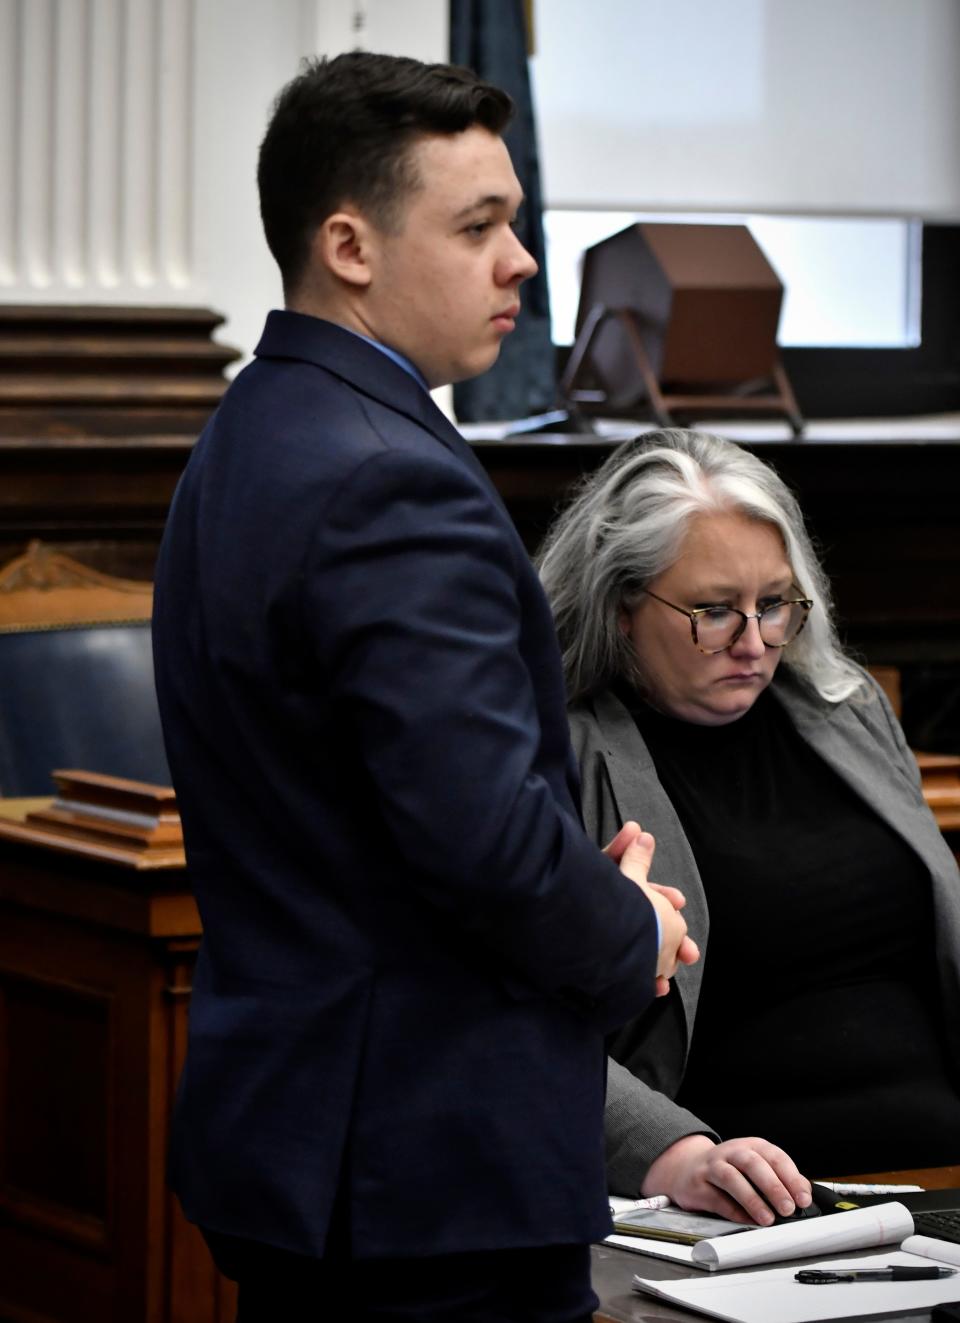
626	525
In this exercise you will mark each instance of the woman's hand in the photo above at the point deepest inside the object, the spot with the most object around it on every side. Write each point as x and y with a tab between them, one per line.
718	1178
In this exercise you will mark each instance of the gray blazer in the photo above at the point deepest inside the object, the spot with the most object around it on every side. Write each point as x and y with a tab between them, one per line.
860	739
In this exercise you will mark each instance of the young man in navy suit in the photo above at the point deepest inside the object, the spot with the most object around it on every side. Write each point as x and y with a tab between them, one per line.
392	1103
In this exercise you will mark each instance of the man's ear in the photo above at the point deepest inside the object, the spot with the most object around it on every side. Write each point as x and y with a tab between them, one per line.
342	245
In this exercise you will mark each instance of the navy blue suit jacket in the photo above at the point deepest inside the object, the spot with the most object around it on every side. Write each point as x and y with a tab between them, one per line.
411	950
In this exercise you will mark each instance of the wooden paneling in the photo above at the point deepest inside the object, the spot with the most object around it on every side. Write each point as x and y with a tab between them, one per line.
99	408
96	964
54	1141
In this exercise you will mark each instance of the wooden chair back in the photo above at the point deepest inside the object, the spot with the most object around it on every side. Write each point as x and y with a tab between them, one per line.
44	589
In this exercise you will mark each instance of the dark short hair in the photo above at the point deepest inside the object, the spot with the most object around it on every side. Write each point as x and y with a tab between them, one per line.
341	131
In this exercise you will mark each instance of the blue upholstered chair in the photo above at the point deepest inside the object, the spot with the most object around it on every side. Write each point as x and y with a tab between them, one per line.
76	675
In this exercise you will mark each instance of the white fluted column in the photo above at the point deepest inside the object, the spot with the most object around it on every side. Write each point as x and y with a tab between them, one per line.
96	116
129	132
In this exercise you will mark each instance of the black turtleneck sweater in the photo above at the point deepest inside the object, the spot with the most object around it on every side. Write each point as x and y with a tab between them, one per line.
819	1023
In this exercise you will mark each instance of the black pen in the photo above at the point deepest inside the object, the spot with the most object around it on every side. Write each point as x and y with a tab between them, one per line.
894	1272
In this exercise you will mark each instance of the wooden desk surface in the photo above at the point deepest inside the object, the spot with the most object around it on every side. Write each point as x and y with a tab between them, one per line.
154	902
15	810
614	1269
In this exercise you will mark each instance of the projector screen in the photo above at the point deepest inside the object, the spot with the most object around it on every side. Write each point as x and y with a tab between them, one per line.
791	106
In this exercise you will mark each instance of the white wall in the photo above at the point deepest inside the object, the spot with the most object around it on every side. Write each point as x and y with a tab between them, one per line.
751	105
245	51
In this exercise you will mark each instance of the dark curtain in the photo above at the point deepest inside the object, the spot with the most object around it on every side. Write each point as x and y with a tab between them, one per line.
489	36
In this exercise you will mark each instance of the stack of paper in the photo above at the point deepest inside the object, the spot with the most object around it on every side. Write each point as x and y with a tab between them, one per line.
862	1228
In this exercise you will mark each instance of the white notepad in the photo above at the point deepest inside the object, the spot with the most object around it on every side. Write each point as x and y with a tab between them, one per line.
775	1294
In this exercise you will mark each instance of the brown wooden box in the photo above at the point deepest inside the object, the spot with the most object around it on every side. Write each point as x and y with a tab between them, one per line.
684	317
707	299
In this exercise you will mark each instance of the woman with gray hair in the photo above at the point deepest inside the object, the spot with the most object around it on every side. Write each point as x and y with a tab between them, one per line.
713	703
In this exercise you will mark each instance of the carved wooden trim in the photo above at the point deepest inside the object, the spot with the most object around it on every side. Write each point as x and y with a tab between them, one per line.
44	589
44	568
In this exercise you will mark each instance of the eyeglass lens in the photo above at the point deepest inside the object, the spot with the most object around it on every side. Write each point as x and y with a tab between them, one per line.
718	627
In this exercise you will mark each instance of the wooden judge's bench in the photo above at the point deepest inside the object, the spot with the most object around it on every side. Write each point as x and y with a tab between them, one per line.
96	963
